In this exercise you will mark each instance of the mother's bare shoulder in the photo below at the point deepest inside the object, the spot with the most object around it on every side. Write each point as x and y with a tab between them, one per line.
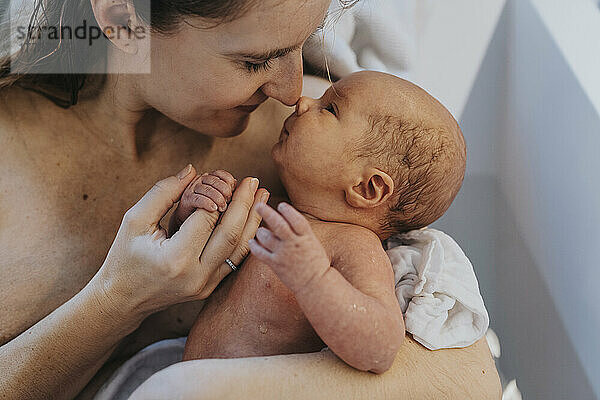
18	235
42	258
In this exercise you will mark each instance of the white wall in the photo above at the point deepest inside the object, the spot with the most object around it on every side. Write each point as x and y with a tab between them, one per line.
533	111
530	204
452	42
550	166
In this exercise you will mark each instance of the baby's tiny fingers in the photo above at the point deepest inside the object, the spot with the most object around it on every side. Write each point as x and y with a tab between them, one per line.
227	177
267	239
260	252
296	220
219	184
201	201
212	194
276	223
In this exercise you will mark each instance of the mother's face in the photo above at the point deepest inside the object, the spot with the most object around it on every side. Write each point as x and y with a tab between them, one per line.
209	79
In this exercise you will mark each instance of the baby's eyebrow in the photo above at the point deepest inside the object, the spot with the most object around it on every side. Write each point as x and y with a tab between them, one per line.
338	93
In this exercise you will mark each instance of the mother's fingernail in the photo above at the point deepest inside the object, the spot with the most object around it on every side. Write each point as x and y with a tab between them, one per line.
253	184
264	197
184	172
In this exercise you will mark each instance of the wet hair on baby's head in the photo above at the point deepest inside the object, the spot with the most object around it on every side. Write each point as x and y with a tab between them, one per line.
427	164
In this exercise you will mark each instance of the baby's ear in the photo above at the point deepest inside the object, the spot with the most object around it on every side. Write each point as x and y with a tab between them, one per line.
374	189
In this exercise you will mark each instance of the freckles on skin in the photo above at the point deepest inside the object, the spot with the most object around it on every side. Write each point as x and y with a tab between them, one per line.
197	93
195	84
228	84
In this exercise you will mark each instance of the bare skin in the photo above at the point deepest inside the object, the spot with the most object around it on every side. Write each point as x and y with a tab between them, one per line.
34	265
69	176
340	284
77	171
417	373
255	313
60	172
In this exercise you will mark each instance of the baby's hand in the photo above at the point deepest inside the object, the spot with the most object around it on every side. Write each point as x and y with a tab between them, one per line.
209	191
289	246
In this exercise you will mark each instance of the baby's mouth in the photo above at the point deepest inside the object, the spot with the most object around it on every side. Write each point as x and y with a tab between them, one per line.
284	130
284	134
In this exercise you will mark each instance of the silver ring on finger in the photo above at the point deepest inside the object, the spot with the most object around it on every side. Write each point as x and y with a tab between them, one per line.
231	264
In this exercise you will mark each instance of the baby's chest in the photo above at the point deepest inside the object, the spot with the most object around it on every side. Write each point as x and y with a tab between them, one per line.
260	288
262	296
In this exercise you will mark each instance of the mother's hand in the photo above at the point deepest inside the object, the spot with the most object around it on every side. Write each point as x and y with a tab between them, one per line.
145	271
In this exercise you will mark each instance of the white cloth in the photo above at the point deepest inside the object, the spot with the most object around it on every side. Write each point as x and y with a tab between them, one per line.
437	289
377	35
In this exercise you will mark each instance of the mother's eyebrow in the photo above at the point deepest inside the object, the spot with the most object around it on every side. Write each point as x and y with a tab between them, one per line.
271	54
267	55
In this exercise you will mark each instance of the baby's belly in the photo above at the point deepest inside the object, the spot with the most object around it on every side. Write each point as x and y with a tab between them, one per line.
252	313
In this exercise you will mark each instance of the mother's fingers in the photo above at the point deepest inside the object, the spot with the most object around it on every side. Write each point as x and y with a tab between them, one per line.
241	251
152	207
228	233
252	224
193	235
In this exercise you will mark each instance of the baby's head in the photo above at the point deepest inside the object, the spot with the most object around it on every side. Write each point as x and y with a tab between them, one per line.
374	150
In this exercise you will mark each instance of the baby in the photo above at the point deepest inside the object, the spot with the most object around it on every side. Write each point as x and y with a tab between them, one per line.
374	156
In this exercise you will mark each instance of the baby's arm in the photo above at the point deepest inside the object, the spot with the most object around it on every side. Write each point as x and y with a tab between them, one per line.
359	318
209	191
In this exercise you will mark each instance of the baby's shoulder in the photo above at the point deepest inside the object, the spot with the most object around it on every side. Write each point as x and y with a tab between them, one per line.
346	242
342	232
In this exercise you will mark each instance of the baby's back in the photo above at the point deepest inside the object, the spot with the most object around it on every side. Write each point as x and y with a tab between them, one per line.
252	313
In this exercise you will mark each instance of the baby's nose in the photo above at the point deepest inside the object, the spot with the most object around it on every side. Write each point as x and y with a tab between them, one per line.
302	105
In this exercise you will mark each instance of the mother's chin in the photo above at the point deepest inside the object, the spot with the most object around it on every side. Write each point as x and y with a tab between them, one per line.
222	123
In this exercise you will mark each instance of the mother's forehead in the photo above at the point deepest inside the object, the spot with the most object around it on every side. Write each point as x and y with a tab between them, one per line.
290	14
282	23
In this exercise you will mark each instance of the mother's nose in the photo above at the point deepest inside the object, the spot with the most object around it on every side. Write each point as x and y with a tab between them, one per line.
285	84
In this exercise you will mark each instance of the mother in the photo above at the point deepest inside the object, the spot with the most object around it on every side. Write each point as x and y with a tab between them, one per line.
78	150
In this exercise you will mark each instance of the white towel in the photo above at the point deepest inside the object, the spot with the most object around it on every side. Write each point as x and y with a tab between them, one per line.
437	289
377	35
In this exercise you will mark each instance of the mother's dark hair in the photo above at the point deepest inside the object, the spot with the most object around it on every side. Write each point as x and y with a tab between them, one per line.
64	89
